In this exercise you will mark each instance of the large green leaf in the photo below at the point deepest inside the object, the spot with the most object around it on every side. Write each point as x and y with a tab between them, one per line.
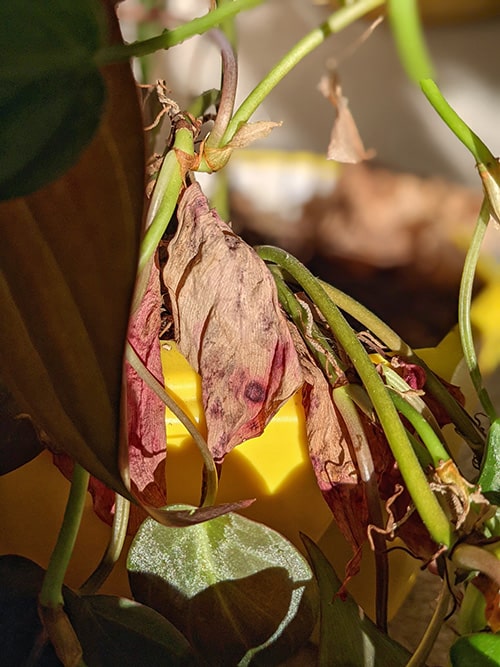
240	592
51	93
478	650
68	259
112	631
348	638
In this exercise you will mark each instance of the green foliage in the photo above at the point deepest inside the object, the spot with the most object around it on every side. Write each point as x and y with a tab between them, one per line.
478	650
347	636
112	631
51	92
239	591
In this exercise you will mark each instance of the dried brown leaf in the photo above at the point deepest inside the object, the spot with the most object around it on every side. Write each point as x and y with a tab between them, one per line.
248	133
331	456
229	325
345	142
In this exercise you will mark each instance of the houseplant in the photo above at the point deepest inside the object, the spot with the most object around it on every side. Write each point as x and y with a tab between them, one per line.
66	305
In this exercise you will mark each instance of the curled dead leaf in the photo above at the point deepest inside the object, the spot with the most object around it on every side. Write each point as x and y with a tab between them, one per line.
331	456
245	135
229	325
345	142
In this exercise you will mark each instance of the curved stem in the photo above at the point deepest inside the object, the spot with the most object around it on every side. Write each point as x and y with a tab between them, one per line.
228	88
462	131
410	42
120	52
211	477
425	501
361	446
113	550
395	343
469	557
335	23
425	431
464	304
165	196
431	633
51	593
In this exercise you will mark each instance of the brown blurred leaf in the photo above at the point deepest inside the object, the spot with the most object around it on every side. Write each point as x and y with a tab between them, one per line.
68	259
331	457
229	325
345	143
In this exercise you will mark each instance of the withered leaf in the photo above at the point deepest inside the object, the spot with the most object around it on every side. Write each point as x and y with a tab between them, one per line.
229	325
345	143
331	457
245	135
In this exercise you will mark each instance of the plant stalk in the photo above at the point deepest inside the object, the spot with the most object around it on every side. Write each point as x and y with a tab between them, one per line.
425	501
120	52
464	306
335	23
51	593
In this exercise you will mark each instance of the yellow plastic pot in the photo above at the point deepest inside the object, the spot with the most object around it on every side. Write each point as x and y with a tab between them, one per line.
274	469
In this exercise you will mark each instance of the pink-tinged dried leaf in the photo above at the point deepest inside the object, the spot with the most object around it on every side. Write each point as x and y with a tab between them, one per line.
412	374
145	411
345	143
145	420
416	377
331	456
228	325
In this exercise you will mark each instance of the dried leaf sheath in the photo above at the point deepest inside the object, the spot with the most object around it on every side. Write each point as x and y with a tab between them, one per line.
229	325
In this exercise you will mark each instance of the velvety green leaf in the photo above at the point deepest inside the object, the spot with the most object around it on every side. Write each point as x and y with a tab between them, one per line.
112	631
489	479
51	93
478	650
20	583
348	637
239	591
19	441
116	631
68	261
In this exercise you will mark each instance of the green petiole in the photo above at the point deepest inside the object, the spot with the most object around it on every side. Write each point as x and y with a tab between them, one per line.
425	502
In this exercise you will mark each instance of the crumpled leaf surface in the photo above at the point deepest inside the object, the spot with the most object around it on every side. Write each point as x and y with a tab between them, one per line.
345	144
331	457
228	325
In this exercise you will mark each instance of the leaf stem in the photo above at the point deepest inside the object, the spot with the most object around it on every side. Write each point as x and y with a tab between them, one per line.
464	305
364	460
335	23
211	477
51	592
425	501
119	52
165	196
471	557
432	631
113	550
462	131
229	84
395	343
425	431
410	42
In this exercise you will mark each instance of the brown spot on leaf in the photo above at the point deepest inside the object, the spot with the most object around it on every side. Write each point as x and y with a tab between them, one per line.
255	392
